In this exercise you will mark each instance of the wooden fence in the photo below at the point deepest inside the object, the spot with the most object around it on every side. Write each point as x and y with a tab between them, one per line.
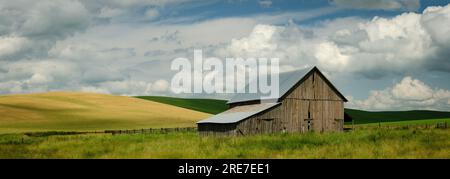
439	125
151	130
442	125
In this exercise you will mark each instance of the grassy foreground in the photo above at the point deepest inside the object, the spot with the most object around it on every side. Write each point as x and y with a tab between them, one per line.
375	143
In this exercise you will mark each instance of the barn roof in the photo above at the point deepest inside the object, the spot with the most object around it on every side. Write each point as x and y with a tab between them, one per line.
287	81
238	113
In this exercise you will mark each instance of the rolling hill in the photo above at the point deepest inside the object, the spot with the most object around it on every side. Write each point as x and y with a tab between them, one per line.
72	111
214	106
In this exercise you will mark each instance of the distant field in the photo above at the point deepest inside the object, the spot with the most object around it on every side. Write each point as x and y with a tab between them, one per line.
364	117
368	143
70	111
212	106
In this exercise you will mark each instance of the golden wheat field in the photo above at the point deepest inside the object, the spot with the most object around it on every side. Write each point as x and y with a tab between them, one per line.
75	111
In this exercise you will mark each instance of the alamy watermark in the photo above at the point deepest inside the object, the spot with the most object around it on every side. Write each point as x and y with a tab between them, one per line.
233	75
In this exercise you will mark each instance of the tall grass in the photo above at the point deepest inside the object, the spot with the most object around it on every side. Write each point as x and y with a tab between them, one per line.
375	143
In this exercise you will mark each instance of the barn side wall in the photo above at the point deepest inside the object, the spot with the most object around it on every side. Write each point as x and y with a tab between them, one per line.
314	95
211	129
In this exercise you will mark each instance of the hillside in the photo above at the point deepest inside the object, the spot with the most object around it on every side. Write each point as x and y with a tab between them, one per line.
214	106
70	111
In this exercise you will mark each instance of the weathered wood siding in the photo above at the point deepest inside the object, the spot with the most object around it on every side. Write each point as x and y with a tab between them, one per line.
211	129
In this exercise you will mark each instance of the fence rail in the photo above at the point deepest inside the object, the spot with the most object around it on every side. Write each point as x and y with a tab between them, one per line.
151	130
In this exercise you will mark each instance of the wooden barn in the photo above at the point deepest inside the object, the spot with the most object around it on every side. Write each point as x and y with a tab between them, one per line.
307	102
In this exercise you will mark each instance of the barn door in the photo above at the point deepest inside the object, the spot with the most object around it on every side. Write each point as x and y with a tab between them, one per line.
308	121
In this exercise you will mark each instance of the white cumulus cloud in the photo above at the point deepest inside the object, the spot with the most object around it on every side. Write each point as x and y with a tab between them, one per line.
408	94
10	45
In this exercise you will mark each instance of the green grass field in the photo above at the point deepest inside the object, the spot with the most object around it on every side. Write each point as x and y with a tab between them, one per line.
70	111
374	143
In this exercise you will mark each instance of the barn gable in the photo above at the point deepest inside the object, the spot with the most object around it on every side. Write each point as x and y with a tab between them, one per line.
287	83
314	76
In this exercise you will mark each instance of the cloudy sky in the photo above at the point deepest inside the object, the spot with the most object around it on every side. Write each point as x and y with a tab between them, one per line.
382	54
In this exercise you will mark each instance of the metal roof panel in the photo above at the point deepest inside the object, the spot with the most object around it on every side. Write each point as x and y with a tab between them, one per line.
238	113
286	81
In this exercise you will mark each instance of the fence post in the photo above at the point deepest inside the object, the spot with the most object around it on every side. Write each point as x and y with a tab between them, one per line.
353	125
